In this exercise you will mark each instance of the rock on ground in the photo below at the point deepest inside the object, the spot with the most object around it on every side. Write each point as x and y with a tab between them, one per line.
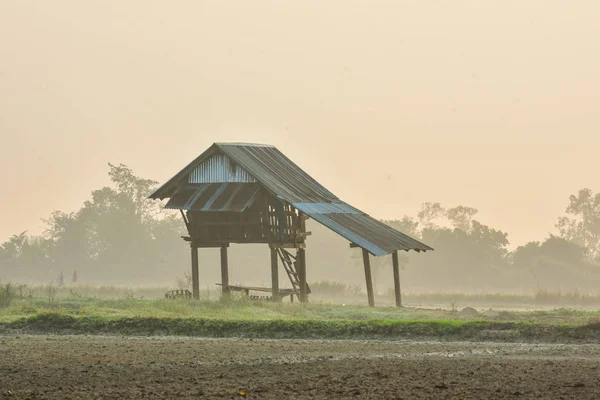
468	312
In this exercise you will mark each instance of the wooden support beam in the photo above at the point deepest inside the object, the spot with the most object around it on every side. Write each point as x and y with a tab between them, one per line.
217	244
301	259
288	245
195	280
303	235
396	268
186	221
301	269
369	280
353	245
275	274
224	272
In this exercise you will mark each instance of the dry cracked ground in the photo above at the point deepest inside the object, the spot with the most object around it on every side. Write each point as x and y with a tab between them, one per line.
112	367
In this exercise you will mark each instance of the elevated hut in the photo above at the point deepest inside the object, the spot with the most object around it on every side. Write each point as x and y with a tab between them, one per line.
252	193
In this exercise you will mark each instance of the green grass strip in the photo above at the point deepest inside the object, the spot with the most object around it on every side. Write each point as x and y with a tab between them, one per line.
303	328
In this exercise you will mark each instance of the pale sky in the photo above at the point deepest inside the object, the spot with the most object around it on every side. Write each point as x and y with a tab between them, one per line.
491	104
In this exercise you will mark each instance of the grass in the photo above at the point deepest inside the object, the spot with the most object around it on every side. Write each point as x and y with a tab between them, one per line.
244	318
143	311
340	293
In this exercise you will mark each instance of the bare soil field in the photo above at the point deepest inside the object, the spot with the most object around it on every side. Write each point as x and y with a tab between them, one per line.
114	367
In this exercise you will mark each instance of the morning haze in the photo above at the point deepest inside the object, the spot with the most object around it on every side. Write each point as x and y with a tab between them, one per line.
389	104
470	128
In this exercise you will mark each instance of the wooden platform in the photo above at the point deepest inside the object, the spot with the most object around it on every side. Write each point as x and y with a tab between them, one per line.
247	289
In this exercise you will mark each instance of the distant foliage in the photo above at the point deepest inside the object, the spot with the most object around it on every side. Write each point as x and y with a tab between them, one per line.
582	223
116	235
8	293
119	236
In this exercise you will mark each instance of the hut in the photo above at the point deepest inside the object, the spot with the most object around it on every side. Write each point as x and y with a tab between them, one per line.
252	193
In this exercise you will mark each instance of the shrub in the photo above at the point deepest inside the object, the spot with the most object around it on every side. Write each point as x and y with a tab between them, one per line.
8	294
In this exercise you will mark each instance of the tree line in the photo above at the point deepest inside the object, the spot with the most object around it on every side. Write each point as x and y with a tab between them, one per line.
119	236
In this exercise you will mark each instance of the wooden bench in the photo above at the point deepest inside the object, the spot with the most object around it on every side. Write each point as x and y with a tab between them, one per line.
179	294
246	289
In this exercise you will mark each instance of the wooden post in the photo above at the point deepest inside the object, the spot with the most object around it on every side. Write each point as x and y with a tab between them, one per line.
396	278
224	272
368	278
274	274
301	269
195	281
301	259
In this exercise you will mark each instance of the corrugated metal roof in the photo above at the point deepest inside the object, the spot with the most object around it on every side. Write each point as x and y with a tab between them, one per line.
217	169
233	197
370	234
326	208
278	173
285	180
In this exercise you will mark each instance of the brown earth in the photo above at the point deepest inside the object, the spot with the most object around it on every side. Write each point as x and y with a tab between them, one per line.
110	367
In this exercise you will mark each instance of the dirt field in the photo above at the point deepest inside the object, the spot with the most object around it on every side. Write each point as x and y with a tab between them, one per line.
93	367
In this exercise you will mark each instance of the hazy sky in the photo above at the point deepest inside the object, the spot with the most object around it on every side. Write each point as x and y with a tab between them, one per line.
492	104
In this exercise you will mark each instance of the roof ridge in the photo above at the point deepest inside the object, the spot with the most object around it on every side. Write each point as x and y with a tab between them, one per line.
243	144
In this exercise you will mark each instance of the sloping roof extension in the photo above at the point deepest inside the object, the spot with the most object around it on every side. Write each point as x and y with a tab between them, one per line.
215	197
285	180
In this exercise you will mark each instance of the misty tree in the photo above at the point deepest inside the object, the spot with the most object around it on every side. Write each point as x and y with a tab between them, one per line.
67	235
13	247
526	255
429	213
462	259
556	262
115	233
551	251
493	242
582	225
461	217
24	252
136	190
407	225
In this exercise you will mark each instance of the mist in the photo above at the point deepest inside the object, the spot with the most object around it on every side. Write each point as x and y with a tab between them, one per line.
471	126
388	104
119	237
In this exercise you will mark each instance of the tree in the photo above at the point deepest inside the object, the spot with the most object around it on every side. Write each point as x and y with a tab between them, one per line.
461	260
553	250
22	252
136	190
68	238
13	247
429	213
583	225
527	255
494	241
407	225
113	236
460	217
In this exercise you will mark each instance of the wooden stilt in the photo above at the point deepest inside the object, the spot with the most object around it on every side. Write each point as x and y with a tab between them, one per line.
224	272
369	280
275	274
195	281
396	279
301	268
